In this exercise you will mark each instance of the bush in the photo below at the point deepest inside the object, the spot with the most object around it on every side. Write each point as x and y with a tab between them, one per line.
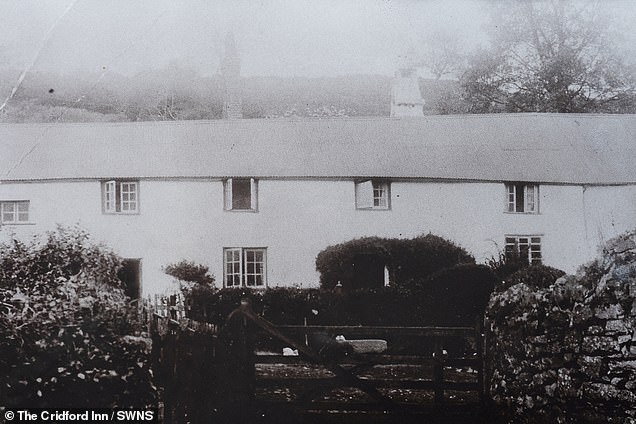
67	338
190	272
454	296
406	259
535	276
507	264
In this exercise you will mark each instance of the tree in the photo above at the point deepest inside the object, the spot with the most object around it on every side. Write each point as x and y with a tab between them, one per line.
550	56
442	54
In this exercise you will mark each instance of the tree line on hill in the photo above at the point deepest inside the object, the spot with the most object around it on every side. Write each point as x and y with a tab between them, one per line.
542	56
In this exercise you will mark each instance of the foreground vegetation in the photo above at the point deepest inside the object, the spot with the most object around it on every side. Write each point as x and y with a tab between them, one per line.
67	337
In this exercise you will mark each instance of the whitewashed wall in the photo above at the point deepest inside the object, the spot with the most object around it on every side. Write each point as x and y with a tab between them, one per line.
298	218
610	211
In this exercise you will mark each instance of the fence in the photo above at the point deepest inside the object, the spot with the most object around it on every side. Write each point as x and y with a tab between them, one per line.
210	373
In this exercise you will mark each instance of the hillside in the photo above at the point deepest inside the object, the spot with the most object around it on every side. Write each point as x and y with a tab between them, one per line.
174	93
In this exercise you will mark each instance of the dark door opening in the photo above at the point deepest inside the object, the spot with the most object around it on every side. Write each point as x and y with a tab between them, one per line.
368	272
129	275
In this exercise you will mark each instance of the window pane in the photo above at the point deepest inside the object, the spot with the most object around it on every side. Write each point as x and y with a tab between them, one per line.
8	211
380	195
241	193
530	198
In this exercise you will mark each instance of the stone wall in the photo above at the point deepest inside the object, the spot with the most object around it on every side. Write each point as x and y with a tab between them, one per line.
567	354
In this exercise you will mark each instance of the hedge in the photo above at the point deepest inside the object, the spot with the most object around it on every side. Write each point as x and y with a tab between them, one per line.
453	296
406	259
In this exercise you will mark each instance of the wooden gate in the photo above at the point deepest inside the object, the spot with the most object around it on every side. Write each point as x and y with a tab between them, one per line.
441	379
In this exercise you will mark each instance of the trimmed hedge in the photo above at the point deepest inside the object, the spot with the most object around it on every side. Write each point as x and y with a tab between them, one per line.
453	296
406	259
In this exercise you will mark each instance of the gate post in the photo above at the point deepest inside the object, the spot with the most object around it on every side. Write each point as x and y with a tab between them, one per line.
237	366
480	333
438	372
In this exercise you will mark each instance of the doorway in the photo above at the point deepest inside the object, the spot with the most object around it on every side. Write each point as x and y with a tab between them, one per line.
130	276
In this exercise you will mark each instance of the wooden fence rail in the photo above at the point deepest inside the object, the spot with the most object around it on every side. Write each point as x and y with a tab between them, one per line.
219	369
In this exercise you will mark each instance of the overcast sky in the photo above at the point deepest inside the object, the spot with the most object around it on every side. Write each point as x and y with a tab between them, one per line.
275	37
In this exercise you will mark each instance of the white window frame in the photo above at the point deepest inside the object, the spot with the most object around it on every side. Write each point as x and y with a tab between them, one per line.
12	207
236	258
531	242
228	198
373	195
530	198
120	197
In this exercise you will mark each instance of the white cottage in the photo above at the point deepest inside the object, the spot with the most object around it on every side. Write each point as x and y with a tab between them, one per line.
256	200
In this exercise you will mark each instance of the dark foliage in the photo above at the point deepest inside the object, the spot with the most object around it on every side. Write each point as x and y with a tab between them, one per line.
444	300
67	337
550	56
190	272
455	295
507	264
535	276
406	259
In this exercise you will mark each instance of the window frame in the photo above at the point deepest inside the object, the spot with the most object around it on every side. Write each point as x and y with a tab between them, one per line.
530	198
114	196
16	212
228	195
366	197
532	242
240	258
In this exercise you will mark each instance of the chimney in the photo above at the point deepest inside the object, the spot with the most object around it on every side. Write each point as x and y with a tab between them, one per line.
406	98
231	76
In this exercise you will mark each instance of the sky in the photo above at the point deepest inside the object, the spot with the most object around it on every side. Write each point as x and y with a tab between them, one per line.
275	37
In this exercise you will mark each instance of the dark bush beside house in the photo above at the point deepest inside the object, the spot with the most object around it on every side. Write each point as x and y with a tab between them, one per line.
506	264
197	286
535	276
67	337
361	263
455	295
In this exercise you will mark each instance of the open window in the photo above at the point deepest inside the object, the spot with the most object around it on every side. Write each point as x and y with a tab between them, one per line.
522	198
120	197
372	194
241	194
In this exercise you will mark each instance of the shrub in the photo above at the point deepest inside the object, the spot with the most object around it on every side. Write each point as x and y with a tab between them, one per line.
535	276
507	264
406	259
424	255
190	272
197	286
67	338
456	295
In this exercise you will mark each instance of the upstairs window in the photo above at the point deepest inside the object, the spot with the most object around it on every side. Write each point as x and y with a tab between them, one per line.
121	197
14	212
372	194
522	198
244	267
525	247
241	194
